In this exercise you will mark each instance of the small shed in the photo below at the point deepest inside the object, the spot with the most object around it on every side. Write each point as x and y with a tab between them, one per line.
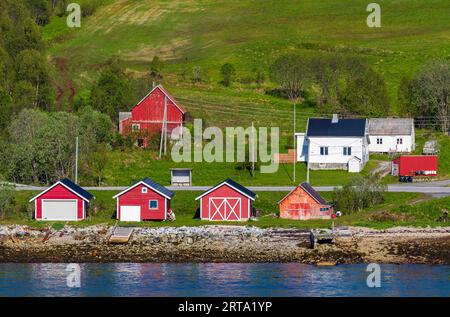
63	201
304	203
144	200
181	176
354	165
227	201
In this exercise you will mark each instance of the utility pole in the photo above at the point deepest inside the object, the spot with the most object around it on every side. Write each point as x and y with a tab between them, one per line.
253	150
295	145
76	160
163	129
307	165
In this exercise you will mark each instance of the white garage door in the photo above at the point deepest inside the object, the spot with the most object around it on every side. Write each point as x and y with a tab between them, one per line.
59	210
130	213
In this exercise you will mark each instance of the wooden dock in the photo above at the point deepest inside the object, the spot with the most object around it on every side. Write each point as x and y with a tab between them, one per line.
121	235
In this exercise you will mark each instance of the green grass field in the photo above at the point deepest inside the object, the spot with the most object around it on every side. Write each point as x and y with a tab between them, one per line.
399	209
249	34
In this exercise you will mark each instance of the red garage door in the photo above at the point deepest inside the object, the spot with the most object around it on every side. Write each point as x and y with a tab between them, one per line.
225	208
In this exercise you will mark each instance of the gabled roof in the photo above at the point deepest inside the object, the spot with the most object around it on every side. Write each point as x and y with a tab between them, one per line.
310	191
161	88
71	186
342	128
152	185
231	183
391	126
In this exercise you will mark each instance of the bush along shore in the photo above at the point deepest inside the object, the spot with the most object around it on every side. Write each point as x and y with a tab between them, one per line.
224	244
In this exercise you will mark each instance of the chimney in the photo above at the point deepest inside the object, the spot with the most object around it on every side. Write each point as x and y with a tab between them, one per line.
335	118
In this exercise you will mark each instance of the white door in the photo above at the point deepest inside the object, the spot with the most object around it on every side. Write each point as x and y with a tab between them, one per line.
59	210
130	213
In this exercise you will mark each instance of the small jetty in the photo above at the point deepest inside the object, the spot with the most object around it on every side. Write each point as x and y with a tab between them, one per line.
327	236
121	235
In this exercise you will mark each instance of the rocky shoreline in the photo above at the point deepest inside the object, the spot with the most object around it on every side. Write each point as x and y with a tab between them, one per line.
224	244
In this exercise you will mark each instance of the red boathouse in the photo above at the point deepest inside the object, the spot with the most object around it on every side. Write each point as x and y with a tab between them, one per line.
145	200
150	114
304	203
63	201
415	166
227	201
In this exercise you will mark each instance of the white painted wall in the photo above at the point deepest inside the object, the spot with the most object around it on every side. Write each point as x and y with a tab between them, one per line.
335	149
302	147
390	143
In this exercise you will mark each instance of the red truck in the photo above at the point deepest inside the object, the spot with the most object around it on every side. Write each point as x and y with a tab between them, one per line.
408	167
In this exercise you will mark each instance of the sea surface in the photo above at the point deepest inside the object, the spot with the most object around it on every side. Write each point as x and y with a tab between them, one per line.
220	279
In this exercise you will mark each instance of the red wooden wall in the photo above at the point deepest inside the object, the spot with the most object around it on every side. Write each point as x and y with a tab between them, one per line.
59	192
135	197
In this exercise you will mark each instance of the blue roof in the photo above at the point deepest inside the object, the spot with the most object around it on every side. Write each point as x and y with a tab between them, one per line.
77	189
342	128
151	183
239	187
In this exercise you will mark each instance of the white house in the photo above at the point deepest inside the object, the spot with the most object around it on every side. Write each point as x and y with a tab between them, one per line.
334	144
392	135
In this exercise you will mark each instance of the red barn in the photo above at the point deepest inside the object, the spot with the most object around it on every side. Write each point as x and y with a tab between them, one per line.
63	201
145	200
415	165
227	201
147	117
304	203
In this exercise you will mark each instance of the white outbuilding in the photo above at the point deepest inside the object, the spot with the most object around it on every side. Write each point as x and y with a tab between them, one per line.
392	135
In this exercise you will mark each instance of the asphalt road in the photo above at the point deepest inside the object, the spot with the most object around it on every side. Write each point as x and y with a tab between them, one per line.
396	188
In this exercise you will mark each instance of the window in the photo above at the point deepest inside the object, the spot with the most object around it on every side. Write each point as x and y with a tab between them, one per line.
144	190
135	127
399	141
379	141
324	150
347	150
324	209
153	204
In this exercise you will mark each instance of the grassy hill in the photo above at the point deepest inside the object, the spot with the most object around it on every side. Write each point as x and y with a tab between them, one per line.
249	34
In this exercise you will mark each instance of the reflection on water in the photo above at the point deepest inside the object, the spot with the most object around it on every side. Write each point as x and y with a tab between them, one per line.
222	279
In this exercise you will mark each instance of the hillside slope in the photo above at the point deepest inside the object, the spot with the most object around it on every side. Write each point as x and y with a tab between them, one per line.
249	34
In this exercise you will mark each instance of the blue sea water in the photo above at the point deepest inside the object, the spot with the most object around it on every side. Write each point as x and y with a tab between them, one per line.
222	279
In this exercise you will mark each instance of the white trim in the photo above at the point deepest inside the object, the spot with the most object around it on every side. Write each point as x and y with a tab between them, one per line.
54	185
226	202
224	183
144	191
165	93
137	184
165	209
118	211
60	199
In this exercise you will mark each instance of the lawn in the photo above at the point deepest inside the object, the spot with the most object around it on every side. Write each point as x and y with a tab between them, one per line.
249	34
123	168
399	209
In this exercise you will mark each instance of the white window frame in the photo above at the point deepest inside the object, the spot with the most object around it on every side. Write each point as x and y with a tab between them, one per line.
144	190
325	150
380	141
149	204
399	141
347	150
135	127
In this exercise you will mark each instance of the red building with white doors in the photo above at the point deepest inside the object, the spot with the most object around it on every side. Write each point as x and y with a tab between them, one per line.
227	201
144	200
63	201
148	117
